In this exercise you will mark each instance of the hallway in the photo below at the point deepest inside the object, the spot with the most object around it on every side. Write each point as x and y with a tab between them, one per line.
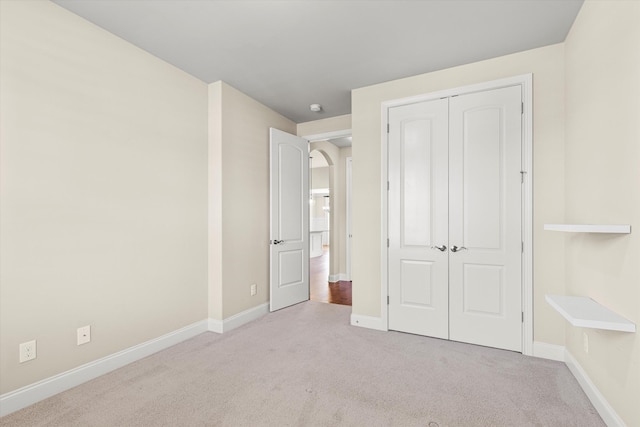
320	289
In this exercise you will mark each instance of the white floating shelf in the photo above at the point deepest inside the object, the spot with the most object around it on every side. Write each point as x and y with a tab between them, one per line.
586	313
589	228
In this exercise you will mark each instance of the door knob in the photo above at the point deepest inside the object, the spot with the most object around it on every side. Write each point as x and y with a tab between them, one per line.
441	248
277	242
454	248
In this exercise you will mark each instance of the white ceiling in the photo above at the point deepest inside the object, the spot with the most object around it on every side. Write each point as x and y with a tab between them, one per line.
289	54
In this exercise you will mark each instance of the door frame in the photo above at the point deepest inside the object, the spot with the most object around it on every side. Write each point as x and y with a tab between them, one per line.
525	81
349	235
326	136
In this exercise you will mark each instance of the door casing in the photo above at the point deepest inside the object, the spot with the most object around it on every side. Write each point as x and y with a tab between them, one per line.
349	234
334	238
526	83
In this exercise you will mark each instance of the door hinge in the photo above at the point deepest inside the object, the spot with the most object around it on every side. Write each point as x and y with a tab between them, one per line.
522	173
387	299
522	317
522	108
387	242
522	247
388	185
387	127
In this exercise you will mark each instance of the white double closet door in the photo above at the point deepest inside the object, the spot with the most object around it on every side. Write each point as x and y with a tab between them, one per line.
455	218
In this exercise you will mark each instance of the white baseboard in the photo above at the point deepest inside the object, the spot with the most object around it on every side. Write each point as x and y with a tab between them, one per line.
548	351
338	277
606	411
28	395
369	322
215	325
561	354
221	326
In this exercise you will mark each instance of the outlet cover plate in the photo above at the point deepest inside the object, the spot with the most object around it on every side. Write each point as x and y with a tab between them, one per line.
84	334
27	351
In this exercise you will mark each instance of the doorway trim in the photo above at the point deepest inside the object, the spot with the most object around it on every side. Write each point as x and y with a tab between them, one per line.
525	81
325	136
320	137
349	235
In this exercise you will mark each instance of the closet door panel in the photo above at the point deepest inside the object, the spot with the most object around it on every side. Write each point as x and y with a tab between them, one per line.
485	279
418	203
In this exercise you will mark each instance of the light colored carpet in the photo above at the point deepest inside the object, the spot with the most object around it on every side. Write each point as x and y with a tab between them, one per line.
305	366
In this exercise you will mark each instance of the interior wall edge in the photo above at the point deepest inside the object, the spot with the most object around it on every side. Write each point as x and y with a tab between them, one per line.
545	350
237	320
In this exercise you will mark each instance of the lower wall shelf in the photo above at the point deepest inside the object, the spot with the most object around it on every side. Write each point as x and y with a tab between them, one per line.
586	313
589	228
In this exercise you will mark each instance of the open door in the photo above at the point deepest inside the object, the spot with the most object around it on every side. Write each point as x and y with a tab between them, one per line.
289	219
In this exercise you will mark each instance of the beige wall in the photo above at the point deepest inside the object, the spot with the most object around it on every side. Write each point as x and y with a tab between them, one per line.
239	188
602	164
104	197
547	66
320	177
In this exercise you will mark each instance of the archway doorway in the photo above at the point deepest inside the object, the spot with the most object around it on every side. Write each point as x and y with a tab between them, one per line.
328	282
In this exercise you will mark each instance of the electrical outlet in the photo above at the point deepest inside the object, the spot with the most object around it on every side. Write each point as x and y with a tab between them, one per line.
84	334
27	351
585	342
254	289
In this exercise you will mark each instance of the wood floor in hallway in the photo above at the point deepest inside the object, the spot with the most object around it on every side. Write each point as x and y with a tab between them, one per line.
321	289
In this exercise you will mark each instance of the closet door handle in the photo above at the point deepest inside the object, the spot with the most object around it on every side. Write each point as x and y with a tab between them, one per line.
454	248
441	248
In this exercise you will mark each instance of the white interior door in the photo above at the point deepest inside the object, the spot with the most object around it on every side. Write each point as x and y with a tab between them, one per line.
418	223
455	218
289	219
485	200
